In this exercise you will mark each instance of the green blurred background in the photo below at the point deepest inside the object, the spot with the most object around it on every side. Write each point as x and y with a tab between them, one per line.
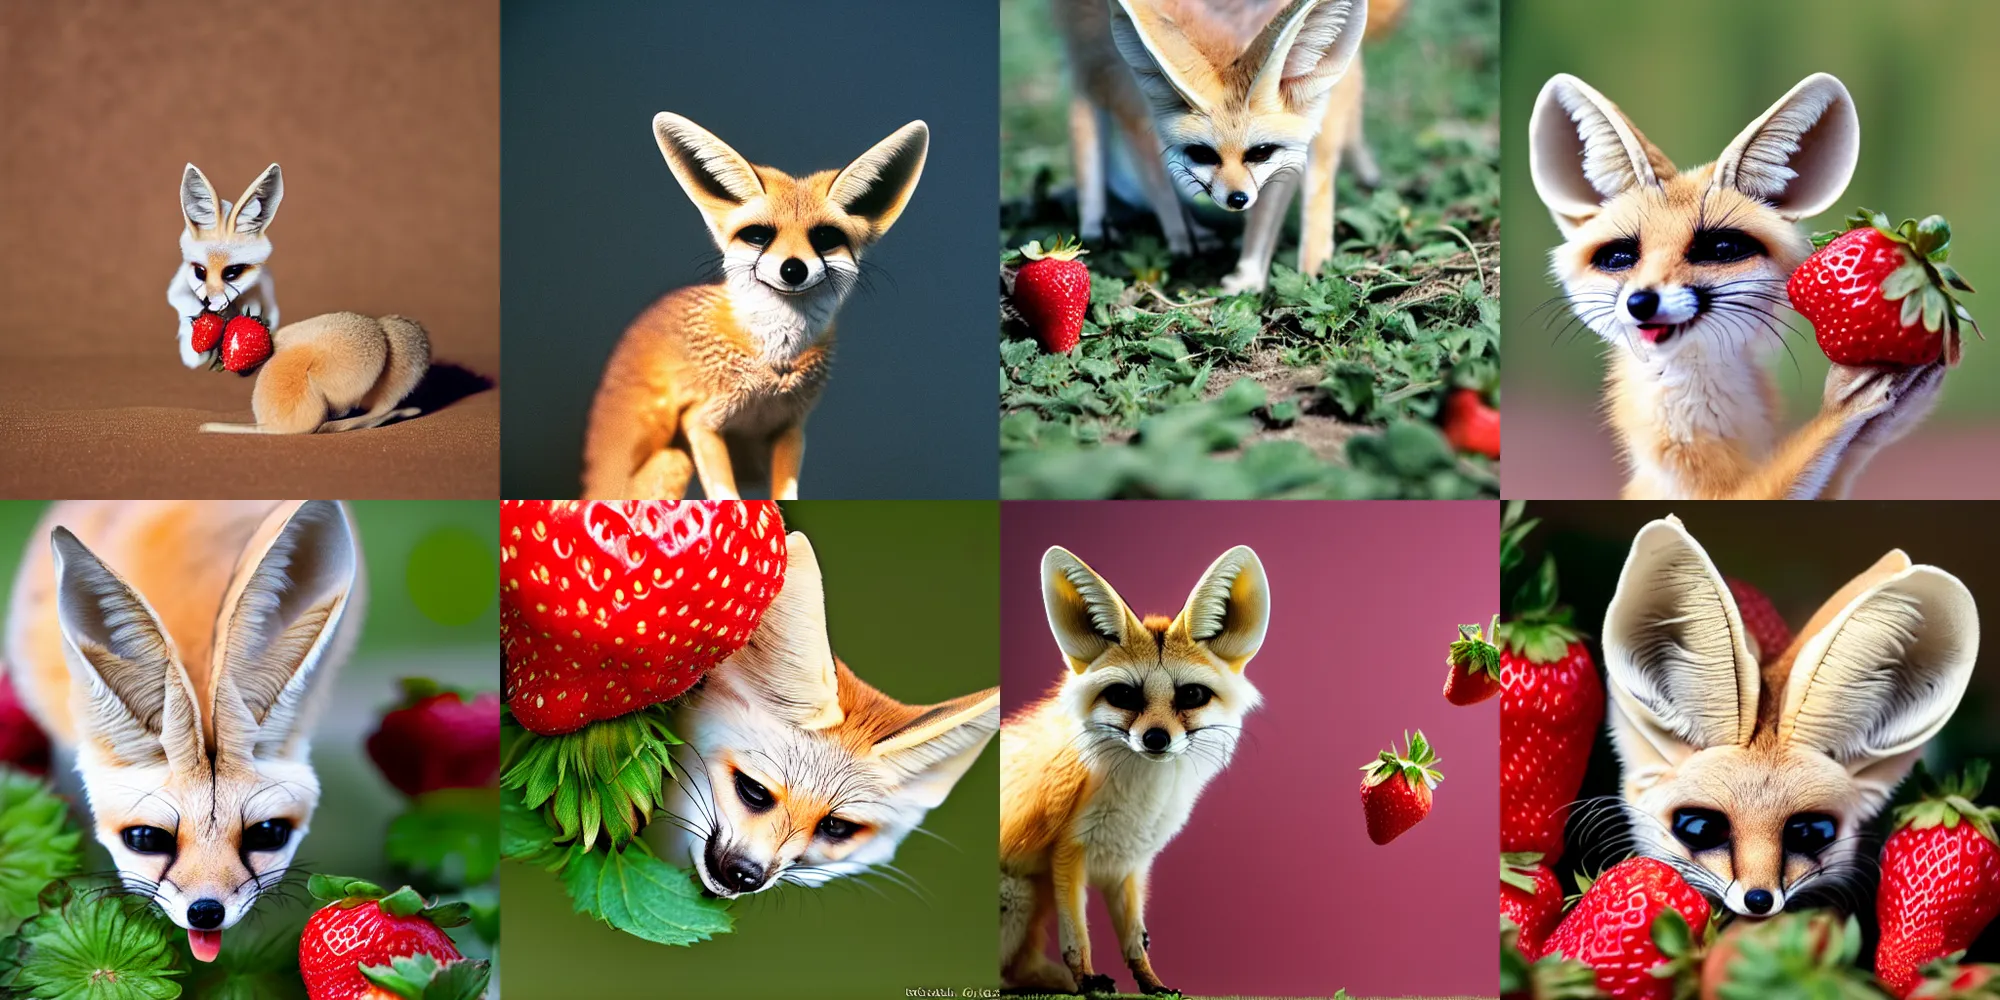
1693	73
912	592
433	611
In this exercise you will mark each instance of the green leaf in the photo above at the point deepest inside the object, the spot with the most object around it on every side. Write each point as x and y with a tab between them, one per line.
38	844
450	836
90	943
260	965
645	897
1671	933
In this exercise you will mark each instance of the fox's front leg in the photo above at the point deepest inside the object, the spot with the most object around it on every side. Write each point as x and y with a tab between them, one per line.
1067	872
788	451
1804	465
1127	903
703	426
1915	393
186	308
1260	236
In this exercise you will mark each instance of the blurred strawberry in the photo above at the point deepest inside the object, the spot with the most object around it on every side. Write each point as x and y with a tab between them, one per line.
22	742
438	738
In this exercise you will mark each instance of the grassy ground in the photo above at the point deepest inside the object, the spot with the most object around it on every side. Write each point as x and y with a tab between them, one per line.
1322	386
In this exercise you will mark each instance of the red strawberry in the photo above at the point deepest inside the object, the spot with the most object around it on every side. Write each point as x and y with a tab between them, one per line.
1472	667
1551	705
1877	295
1052	291
22	742
1470	424
1531	898
1947	980
1621	929
246	343
610	606
350	944
207	330
438	739
1940	876
1761	619
1396	788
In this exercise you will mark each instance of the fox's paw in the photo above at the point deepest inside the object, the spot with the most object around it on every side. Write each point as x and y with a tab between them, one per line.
1913	393
1244	279
1096	982
1857	393
1158	989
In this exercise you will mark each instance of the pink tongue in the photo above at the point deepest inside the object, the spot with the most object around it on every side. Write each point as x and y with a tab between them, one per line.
1652	333
205	944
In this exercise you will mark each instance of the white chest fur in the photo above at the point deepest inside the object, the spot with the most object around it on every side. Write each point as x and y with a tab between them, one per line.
782	325
1138	809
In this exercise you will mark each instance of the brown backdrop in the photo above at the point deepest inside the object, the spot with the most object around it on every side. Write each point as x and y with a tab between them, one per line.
385	117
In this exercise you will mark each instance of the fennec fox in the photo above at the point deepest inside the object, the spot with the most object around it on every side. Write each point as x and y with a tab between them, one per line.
716	380
223	250
1752	771
1238	102
331	365
1682	273
180	649
1097	777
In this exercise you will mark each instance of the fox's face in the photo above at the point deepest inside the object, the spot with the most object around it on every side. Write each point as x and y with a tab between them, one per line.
797	771
1752	771
1161	689
1660	261
796	237
224	246
1231	122
199	781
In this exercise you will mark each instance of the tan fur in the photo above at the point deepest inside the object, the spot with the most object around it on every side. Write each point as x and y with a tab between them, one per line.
331	365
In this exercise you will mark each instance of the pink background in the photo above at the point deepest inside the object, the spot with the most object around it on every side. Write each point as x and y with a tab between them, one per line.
1274	888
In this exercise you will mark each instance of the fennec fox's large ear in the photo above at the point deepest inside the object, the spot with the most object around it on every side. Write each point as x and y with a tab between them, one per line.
878	184
1230	607
1086	615
1800	155
1305	50
936	747
1583	152
1682	677
1174	73
281	613
259	203
788	662
1882	670
715	177
140	707
198	205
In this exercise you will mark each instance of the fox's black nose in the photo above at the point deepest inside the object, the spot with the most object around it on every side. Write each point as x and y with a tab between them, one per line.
1758	901
1237	199
793	270
1156	739
205	914
742	874
1642	304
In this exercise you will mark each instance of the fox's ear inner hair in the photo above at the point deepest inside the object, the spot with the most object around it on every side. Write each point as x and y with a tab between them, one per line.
138	696
1173	73
1583	151
714	176
1085	614
1230	607
788	662
198	204
936	747
1306	49
1799	155
259	203
878	184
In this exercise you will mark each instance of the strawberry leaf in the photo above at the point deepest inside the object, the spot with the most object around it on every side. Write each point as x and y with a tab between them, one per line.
91	943
637	893
38	844
448	836
252	966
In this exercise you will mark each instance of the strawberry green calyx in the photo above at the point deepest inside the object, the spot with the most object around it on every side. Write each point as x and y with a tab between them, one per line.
1518	870
1798	955
422	977
1060	248
1416	765
1552	977
604	779
1948	801
1471	652
342	891
1540	629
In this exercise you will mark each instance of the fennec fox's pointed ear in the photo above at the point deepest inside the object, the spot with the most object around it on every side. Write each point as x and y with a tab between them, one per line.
937	746
1881	673
198	205
787	661
1174	73
1583	152
715	177
1230	607
1086	615
259	203
280	615
141	707
1305	50
1682	677
878	184
1800	155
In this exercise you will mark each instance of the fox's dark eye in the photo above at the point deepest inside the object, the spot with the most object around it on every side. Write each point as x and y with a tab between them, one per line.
1617	255
269	835
1125	698
1204	155
200	273
1189	696
147	839
1723	246
835	828
1809	833
754	795
234	271
1260	153
757	236
1701	829
825	239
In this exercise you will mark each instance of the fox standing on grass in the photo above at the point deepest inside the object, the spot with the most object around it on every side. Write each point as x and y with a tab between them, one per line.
716	381
799	772
1752	771
1096	778
1682	273
1243	103
180	649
